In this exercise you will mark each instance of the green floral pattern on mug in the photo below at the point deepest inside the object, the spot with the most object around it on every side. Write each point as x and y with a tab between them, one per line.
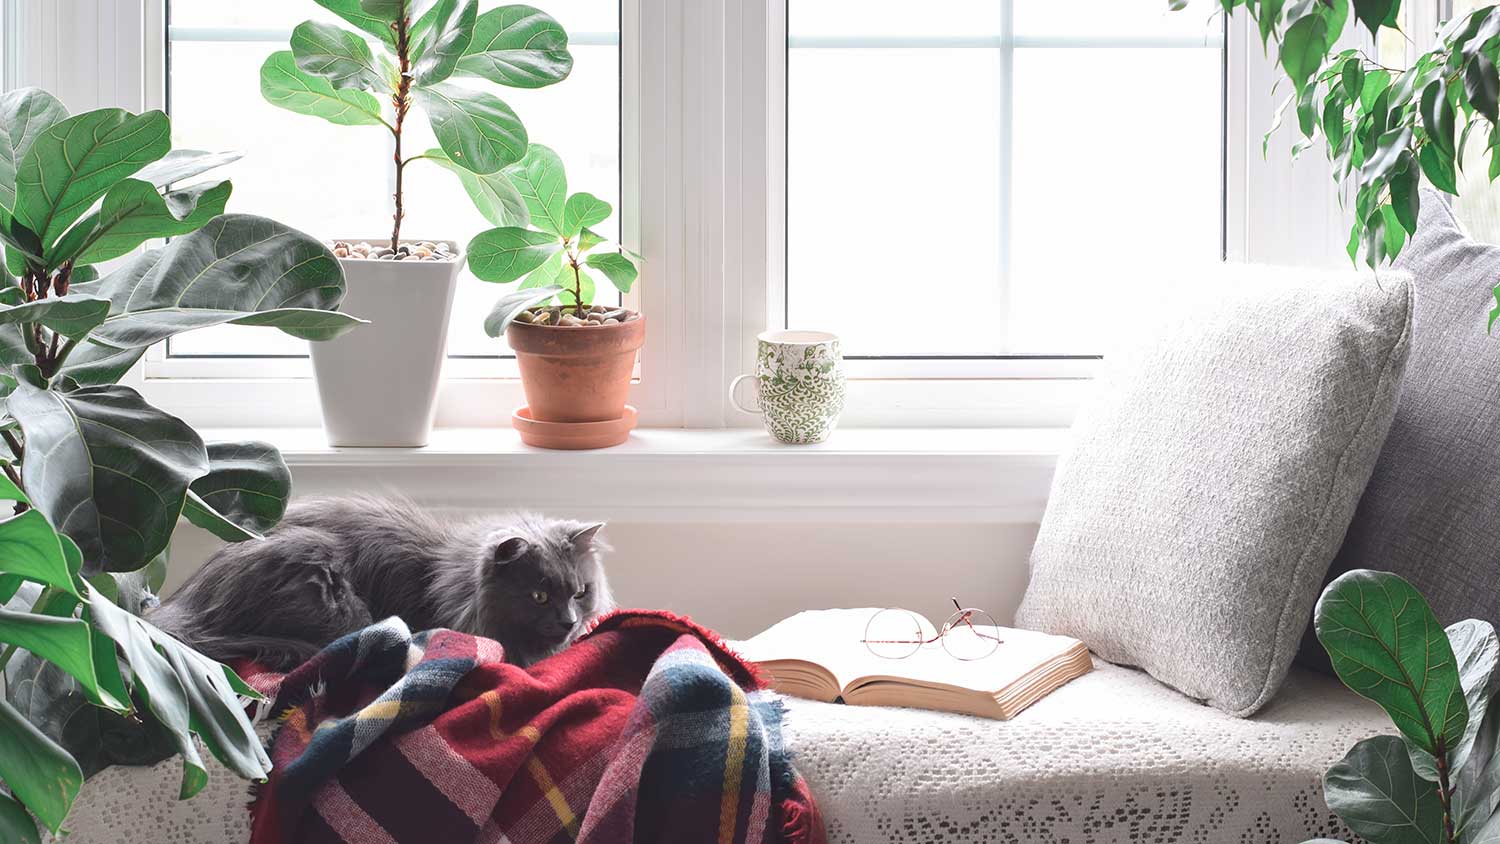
801	389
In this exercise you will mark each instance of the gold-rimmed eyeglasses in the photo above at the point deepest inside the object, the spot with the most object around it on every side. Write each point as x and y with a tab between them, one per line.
968	634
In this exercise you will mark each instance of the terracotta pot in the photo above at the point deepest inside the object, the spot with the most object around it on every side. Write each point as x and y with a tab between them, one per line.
576	373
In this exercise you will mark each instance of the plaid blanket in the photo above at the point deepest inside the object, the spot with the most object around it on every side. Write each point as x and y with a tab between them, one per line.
647	729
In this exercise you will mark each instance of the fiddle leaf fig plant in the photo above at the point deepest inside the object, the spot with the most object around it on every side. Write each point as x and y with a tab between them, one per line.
97	478
1384	128
1438	780
418	49
555	252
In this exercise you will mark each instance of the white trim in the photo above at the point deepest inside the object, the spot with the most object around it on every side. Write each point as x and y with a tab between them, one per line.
911	476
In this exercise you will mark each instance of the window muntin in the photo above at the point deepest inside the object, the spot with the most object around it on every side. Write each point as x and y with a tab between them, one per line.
941	199
335	181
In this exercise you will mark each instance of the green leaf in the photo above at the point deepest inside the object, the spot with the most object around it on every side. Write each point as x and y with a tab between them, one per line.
506	254
1392	231
36	770
64	642
1376	83
1373	13
1477	651
351	11
116	472
15	824
492	193
1439	169
386	10
512	304
238	269
1353	77
1269	17
445	40
133	213
182	164
588	239
244	493
337	55
73	315
1476	784
92	364
30	548
283	84
24	114
69	166
1482	85
477	131
1389	149
1303	48
620	271
1405	190
581	211
543	185
1387	646
187	692
1438	116
519	46
1374	790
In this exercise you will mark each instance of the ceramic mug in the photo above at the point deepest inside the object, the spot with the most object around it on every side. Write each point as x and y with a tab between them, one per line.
799	378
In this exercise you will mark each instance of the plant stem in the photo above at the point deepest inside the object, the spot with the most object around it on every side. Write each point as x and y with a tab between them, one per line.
1445	793
15	445
401	100
577	289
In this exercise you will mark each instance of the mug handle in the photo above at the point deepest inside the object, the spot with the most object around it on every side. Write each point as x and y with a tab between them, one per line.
734	400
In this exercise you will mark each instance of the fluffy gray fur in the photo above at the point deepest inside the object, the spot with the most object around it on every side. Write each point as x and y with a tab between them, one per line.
532	583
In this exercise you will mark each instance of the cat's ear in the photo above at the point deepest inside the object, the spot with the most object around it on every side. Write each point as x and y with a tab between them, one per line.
510	549
584	536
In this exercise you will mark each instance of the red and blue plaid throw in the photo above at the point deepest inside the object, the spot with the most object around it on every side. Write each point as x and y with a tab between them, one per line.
646	730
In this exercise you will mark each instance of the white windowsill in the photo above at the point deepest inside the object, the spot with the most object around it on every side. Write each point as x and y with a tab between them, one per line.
676	475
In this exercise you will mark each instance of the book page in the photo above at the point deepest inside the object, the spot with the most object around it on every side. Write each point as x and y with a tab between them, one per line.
833	639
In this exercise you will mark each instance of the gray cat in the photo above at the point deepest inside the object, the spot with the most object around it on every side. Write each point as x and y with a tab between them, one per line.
333	565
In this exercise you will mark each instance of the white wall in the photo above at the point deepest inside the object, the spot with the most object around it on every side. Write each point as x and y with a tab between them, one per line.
740	578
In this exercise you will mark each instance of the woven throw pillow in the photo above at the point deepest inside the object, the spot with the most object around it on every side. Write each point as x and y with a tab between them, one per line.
1432	510
1210	483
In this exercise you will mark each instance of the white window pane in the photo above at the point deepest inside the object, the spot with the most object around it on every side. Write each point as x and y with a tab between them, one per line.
922	182
893	18
891	195
336	181
1107	195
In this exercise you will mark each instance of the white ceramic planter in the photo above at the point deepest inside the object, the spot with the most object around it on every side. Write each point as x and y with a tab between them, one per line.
378	384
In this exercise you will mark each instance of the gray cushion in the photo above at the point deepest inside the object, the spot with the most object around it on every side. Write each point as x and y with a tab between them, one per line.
1432	510
1211	482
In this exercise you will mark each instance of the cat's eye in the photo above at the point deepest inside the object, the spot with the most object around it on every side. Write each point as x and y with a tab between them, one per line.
581	592
539	596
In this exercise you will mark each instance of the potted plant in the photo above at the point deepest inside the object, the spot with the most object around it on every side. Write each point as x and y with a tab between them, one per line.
379	386
575	357
96	476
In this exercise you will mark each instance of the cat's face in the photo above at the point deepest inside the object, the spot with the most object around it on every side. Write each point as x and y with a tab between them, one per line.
545	585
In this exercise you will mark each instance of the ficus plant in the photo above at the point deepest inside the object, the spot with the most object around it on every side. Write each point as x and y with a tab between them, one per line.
97	477
1438	780
333	73
1384	128
554	247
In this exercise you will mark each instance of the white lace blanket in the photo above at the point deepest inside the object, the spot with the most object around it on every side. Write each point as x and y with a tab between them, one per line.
1113	756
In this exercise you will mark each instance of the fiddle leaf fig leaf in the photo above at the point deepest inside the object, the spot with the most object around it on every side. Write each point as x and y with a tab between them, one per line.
477	130
284	84
543	185
132	213
337	55
518	46
116	473
244	493
182	164
506	254
36	769
620	271
72	164
386	10
493	194
73	315
30	548
239	269
511	305
444	41
1386	645
25	113
64	642
583	210
353	12
15	824
1375	791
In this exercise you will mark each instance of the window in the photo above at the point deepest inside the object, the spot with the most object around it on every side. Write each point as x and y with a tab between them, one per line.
336	181
971	181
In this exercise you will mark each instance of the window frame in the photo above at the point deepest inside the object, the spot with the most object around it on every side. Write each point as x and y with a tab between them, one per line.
703	164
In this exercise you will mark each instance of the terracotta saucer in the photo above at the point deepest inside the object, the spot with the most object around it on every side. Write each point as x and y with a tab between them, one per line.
572	436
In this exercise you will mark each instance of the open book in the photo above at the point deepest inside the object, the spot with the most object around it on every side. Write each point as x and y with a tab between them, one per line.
819	654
